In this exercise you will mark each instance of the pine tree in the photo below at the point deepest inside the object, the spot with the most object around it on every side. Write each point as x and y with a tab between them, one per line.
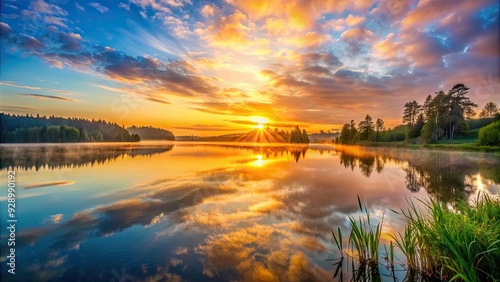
366	127
489	110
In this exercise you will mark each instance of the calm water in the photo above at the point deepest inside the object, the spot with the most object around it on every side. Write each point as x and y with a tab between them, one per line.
211	212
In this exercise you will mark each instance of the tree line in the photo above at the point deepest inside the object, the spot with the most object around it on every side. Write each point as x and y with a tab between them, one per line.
294	136
42	129
366	130
151	133
443	116
56	157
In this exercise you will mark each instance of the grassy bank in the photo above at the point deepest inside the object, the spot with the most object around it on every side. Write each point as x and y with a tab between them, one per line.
442	243
457	145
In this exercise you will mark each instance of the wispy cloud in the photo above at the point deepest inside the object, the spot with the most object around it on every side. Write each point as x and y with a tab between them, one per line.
79	7
46	97
207	127
18	108
14	84
17	85
157	100
99	7
124	6
50	183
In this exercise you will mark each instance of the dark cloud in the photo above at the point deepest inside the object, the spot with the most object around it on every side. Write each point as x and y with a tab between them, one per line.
171	77
349	74
5	30
358	39
325	59
26	42
71	42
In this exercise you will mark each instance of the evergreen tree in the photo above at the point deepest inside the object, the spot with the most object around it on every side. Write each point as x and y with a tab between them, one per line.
415	131
348	132
305	137
379	127
459	108
411	111
489	110
366	127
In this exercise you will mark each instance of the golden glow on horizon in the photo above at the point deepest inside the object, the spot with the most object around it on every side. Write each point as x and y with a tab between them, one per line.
259	119
260	126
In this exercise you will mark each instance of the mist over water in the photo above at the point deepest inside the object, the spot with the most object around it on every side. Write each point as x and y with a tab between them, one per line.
213	211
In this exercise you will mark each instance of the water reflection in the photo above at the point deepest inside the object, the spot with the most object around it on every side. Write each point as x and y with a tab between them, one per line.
231	212
35	157
267	151
447	176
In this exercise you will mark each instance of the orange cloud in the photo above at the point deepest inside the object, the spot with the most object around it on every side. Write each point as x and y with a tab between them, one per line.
388	48
306	40
353	20
299	15
335	25
267	206
276	26
357	34
228	31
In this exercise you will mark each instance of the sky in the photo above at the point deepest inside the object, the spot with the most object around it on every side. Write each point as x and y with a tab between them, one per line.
221	67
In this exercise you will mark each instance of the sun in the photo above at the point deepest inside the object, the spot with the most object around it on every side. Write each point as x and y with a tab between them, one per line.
259	121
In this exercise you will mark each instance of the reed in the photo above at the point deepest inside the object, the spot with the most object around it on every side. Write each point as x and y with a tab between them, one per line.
443	243
363	247
453	244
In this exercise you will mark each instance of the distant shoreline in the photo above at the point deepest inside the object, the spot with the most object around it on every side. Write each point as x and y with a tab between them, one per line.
463	147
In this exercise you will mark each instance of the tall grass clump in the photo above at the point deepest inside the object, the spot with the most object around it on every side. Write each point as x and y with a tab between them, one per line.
460	244
363	247
442	243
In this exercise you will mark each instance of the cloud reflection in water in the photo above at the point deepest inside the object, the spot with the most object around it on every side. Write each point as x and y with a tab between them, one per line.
242	217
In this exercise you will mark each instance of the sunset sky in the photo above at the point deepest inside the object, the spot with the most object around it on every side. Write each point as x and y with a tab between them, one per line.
219	67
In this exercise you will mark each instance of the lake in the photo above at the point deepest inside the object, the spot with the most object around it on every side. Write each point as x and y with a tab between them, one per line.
160	211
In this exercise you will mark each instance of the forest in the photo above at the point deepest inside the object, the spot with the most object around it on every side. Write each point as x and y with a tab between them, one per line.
151	133
270	136
42	129
294	136
443	117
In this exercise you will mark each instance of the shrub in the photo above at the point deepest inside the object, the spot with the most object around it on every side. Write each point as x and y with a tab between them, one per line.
490	134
